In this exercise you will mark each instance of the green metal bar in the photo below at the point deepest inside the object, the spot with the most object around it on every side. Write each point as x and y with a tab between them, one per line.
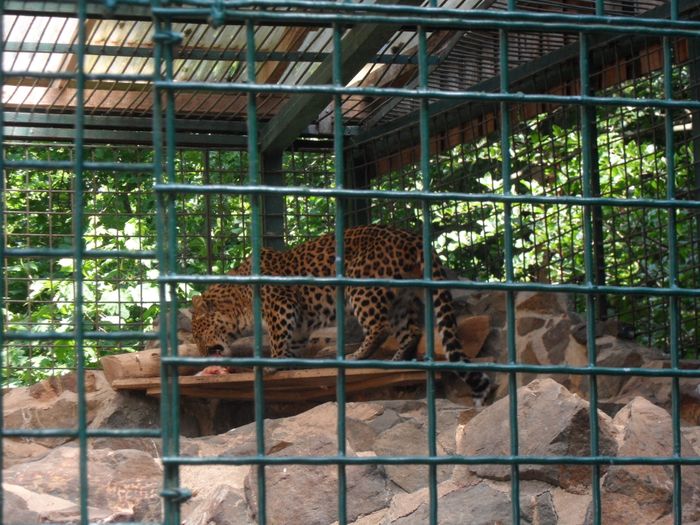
256	235
123	335
508	262
69	165
87	254
91	433
170	473
2	251
173	491
436	460
587	146
339	150
454	19
303	191
440	366
424	127
189	53
463	96
674	306
419	283
78	217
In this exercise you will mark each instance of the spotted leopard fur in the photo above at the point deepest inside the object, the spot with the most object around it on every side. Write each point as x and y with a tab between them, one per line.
290	313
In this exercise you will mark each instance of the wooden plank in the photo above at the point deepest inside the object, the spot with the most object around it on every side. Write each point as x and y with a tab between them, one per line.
282	386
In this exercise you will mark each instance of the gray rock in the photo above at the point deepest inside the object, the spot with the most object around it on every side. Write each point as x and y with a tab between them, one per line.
476	505
117	479
16	512
647	490
225	506
309	494
551	422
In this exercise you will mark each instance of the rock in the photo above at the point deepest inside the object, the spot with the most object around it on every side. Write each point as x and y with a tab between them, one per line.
551	422
408	439
127	410
309	494
541	302
53	403
657	390
225	506
117	480
482	503
616	353
630	491
525	325
19	450
492	304
15	510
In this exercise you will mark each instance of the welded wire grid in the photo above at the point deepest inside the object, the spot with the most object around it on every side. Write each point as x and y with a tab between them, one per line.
234	79
507	197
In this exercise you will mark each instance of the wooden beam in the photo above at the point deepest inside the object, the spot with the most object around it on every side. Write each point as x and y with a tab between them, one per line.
283	386
358	46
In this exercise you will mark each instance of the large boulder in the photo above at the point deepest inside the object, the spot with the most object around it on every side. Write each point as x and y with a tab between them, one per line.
632	491
124	482
551	422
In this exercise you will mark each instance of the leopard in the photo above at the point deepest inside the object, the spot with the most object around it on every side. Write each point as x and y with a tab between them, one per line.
224	311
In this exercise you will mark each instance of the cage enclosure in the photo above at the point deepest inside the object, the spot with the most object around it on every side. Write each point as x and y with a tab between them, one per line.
538	147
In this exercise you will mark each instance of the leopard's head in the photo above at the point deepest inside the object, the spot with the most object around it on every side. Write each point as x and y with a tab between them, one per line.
218	321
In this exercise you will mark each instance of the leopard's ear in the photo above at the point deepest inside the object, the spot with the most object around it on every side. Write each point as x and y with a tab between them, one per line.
200	303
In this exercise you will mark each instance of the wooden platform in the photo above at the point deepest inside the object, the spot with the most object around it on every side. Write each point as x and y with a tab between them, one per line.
283	386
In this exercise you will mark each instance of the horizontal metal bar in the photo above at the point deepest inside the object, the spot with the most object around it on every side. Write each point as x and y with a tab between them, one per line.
69	165
428	365
107	136
25	118
432	18
122	10
89	254
420	93
432	460
201	53
124	335
418	283
67	75
93	433
427	11
301	191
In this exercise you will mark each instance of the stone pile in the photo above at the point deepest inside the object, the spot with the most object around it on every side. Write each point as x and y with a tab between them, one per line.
40	476
125	475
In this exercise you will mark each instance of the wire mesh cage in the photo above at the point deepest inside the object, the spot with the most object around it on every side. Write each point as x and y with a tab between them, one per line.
151	147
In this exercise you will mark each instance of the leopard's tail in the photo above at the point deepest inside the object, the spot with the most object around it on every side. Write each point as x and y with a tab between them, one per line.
446	323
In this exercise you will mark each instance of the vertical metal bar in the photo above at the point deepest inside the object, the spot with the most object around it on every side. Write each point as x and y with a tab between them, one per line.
173	385
424	126
207	212
164	213
675	309
338	143
694	71
78	216
256	242
587	146
508	262
597	211
2	247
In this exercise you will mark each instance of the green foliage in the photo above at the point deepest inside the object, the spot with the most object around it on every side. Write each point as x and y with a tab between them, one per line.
213	230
